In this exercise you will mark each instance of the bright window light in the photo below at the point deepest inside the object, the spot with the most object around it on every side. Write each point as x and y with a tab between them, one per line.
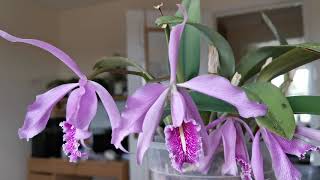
278	80
300	84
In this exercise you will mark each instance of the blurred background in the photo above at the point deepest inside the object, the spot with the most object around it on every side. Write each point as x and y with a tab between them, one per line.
90	29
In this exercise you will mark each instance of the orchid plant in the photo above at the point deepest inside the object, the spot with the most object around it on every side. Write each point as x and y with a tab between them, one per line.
244	107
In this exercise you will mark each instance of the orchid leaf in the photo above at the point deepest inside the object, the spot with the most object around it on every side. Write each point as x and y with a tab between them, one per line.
299	104
305	104
302	54
226	56
252	62
189	62
280	117
285	58
208	103
109	64
273	29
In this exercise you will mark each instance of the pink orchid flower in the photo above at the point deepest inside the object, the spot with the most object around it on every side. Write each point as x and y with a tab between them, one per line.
231	135
278	148
186	137
81	105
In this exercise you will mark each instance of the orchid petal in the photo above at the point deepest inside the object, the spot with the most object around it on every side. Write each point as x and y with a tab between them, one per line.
73	105
47	47
109	105
214	141
309	133
283	168
193	113
82	134
39	111
242	155
189	133
137	106
111	108
245	125
295	147
257	159
178	108
150	124
221	88
174	44
82	107
214	123
229	146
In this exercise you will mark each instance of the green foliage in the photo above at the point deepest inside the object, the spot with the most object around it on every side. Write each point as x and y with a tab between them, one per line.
189	59
273	29
207	103
113	64
252	62
305	104
298	56
280	118
226	57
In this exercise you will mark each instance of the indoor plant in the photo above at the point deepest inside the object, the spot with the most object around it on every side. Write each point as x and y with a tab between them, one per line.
238	96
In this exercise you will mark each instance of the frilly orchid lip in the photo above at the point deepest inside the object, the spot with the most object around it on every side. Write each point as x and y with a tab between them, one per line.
81	106
184	144
278	148
150	105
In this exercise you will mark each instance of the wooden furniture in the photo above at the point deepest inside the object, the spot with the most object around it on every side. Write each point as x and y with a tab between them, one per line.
59	169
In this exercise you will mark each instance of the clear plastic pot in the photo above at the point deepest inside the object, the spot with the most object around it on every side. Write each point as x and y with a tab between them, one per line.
159	166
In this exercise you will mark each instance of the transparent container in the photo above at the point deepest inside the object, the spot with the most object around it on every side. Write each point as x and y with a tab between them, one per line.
159	165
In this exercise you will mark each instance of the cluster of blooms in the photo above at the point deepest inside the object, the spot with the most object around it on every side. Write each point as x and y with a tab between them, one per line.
188	139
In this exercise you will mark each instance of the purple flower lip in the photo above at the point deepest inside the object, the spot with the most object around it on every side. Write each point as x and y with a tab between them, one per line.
311	149
71	145
246	170
184	144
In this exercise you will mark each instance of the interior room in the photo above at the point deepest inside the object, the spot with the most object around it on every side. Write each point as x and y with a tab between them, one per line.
102	36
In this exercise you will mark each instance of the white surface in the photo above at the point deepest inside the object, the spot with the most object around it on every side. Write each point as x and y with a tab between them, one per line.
23	72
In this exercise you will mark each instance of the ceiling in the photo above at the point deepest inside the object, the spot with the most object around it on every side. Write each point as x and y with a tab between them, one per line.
69	4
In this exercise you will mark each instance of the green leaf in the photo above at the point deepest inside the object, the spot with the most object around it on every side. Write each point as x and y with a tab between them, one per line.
273	29
107	64
300	55
189	59
280	118
226	57
172	20
252	62
207	103
167	120
305	104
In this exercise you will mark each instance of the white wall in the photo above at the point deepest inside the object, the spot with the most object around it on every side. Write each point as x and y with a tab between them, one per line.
88	33
100	30
23	72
